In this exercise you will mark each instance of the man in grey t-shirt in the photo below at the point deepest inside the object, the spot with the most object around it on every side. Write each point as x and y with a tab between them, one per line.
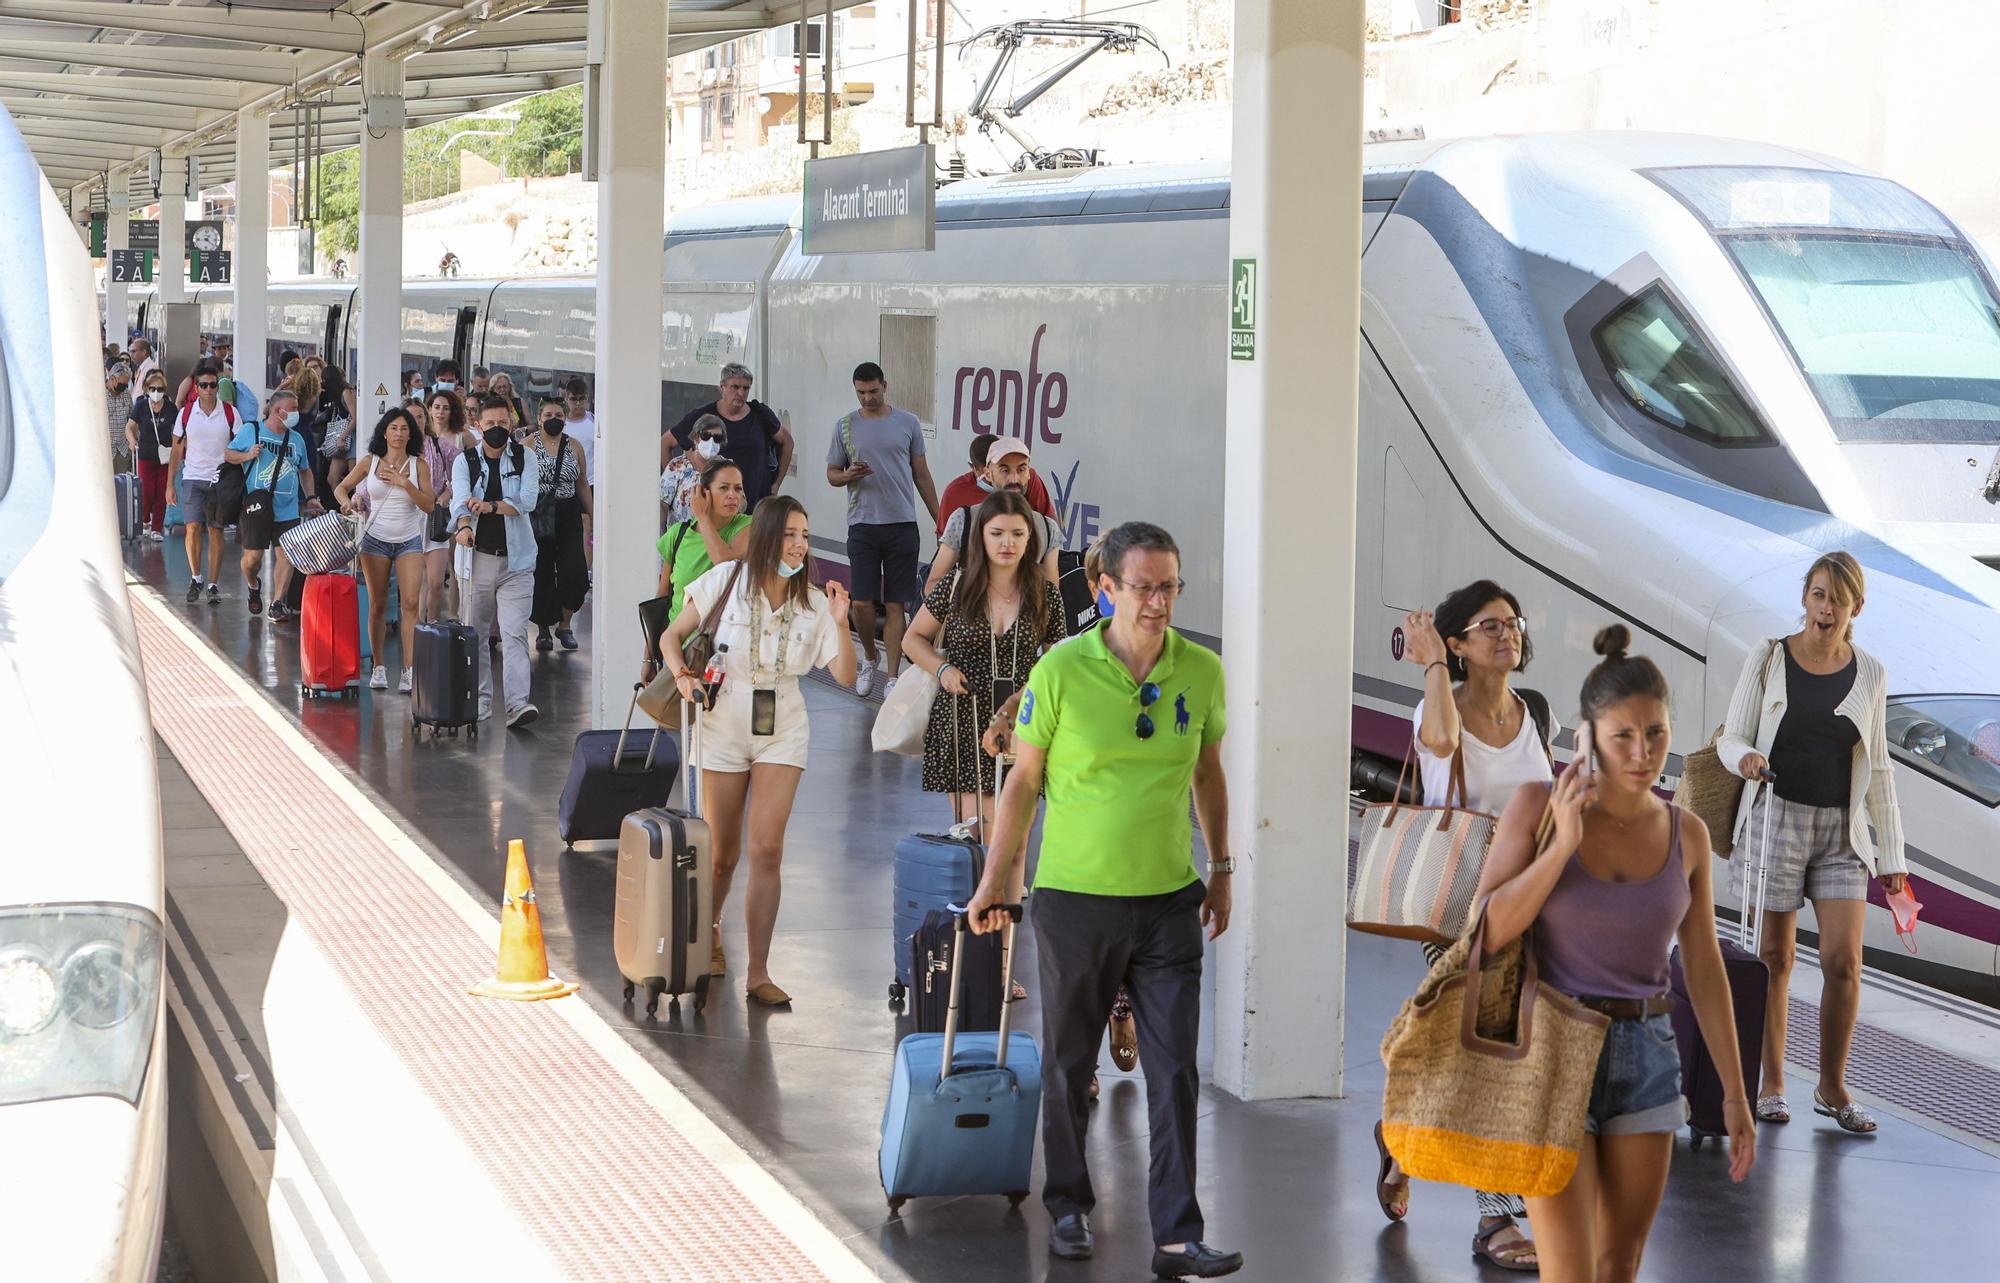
877	454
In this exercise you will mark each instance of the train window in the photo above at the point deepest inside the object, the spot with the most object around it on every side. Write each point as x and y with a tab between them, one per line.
1897	335
1667	371
908	344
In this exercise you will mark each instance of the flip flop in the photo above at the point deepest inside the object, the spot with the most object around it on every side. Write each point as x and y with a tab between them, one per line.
1386	1190
1507	1256
1773	1109
1851	1116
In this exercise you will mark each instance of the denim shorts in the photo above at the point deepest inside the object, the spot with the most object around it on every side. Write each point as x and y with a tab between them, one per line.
373	547
1638	1084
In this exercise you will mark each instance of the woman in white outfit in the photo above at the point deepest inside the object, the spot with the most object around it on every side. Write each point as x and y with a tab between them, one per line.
777	627
400	499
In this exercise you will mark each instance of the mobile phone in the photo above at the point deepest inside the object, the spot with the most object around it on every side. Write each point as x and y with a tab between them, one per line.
763	712
1003	690
1586	752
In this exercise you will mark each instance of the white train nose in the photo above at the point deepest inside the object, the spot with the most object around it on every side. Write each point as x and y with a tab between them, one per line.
80	1191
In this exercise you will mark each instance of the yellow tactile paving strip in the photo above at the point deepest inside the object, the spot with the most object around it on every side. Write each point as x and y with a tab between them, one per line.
590	1165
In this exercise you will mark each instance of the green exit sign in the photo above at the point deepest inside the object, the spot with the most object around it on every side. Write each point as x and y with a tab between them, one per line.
1243	309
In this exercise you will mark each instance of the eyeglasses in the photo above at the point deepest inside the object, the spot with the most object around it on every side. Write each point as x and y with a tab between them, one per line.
207	383
1496	628
1164	592
1149	695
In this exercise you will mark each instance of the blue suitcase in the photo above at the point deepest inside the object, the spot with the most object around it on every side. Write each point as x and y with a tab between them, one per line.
933	871
174	524
972	1130
611	775
391	618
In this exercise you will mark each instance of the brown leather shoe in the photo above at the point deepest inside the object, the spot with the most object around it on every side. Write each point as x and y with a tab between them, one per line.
770	995
1124	1043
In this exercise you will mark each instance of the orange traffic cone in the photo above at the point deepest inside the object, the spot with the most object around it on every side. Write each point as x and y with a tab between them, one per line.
524	963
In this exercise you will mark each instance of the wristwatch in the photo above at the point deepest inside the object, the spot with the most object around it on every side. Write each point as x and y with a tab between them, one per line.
1222	866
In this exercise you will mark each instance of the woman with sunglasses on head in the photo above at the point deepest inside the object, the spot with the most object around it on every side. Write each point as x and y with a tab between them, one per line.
1470	649
561	575
149	437
777	627
1619	878
445	438
400	499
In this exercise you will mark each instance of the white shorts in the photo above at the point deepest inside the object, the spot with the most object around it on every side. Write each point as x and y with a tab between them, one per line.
727	744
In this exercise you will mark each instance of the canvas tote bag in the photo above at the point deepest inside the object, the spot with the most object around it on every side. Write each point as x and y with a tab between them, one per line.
1418	866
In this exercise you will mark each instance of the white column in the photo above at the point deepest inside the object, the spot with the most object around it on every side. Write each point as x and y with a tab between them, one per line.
251	266
170	272
379	372
1291	435
631	218
117	235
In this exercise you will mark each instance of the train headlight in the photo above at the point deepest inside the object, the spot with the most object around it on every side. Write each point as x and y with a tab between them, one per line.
1954	738
79	993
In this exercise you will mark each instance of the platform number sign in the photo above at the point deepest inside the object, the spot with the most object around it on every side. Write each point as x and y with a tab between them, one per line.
211	267
1243	309
131	266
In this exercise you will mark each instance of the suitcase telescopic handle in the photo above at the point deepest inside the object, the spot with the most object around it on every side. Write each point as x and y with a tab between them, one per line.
960	920
618	751
1750	936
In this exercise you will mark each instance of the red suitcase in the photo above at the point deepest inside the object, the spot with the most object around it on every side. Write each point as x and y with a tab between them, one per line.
330	637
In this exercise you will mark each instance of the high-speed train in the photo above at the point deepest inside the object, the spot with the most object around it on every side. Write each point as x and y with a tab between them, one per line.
1642	377
83	1078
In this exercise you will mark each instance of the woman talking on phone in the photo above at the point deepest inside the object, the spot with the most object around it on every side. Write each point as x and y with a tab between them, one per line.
776	627
1811	708
1470	714
1623	875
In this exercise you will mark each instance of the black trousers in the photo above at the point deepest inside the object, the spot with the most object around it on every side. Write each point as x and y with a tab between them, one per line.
562	577
1088	945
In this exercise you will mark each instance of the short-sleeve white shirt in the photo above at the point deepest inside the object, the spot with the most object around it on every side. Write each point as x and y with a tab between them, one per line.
1491	774
811	641
207	434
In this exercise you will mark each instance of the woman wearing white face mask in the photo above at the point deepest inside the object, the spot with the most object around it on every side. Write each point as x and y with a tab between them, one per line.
149	437
776	627
683	473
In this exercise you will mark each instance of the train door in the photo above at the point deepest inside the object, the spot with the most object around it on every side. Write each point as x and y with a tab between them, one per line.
330	345
462	337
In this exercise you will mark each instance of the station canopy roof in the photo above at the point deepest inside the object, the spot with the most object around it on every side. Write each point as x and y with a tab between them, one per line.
97	86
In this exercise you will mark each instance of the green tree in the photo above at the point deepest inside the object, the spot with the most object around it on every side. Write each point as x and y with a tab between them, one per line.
548	134
339	182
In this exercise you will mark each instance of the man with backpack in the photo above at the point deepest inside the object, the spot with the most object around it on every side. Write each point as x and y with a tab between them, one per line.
277	471
202	432
493	489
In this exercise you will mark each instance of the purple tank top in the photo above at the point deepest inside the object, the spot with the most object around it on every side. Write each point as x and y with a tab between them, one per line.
1610	939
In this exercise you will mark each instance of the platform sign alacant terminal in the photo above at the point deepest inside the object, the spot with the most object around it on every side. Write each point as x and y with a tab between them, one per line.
871	203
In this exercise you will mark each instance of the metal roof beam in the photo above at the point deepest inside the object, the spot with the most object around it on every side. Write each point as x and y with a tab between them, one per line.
95	131
198	62
297	30
523	31
178	118
450	63
172	91
102	155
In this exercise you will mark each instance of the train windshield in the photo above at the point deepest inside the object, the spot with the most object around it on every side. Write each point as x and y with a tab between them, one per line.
1884	305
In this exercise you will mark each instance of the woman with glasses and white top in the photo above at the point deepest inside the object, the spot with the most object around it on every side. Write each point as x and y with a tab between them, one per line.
1478	640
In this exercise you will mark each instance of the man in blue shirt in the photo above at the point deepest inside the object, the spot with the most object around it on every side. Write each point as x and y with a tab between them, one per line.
277	474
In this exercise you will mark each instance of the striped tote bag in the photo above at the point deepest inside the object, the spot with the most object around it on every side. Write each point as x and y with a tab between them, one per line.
1418	866
322	544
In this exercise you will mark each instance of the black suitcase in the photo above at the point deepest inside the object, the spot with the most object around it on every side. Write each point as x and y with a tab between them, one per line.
930	970
126	487
446	676
1749	980
611	775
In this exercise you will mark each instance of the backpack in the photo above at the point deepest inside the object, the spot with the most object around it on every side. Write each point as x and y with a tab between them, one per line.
475	463
228	412
1538	708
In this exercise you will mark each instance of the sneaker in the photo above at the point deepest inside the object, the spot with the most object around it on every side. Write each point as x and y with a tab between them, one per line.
408	681
194	591
864	678
214	595
256	600
379	679
279	611
889	688
567	638
156	536
485	708
546	641
523	715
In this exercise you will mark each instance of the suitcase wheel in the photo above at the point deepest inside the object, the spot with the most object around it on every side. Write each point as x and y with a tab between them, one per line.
653	988
897	991
1017	1198
630	989
700	993
896	1202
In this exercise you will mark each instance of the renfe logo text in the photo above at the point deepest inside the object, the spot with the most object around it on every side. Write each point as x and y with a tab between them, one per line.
1010	403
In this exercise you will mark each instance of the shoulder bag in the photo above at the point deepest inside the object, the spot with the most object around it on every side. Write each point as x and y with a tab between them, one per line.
437	525
542	519
1417	867
1711	791
662	695
653	617
259	513
1490	1069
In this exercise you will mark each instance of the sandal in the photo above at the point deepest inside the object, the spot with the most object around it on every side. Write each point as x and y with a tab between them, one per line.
1773	1109
1851	1116
1518	1255
1018	993
1386	1190
769	995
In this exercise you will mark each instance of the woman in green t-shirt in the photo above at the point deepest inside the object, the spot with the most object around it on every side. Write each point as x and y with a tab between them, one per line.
719	531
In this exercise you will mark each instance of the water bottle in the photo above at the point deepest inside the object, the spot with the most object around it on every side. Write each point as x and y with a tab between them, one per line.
711	677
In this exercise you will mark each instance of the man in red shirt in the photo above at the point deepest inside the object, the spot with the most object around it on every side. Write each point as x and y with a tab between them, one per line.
970	490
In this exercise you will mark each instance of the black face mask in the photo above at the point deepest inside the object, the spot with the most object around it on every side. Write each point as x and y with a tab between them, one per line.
552	426
496	438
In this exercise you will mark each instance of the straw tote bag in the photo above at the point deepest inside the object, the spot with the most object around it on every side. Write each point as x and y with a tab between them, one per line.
1418	866
1711	790
1489	1072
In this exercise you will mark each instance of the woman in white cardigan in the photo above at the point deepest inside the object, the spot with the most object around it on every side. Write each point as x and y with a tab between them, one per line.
1810	708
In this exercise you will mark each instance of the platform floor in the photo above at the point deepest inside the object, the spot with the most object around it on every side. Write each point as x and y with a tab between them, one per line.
1290	1183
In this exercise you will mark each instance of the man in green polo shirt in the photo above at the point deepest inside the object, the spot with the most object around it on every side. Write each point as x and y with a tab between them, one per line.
1120	724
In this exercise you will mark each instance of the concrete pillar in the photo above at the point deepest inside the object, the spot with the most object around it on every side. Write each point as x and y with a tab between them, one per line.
380	369
251	266
117	235
170	272
631	218
1295	213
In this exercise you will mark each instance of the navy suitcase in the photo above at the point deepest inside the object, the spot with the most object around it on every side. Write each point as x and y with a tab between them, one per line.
126	486
1749	979
935	951
609	778
446	678
963	1108
933	870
